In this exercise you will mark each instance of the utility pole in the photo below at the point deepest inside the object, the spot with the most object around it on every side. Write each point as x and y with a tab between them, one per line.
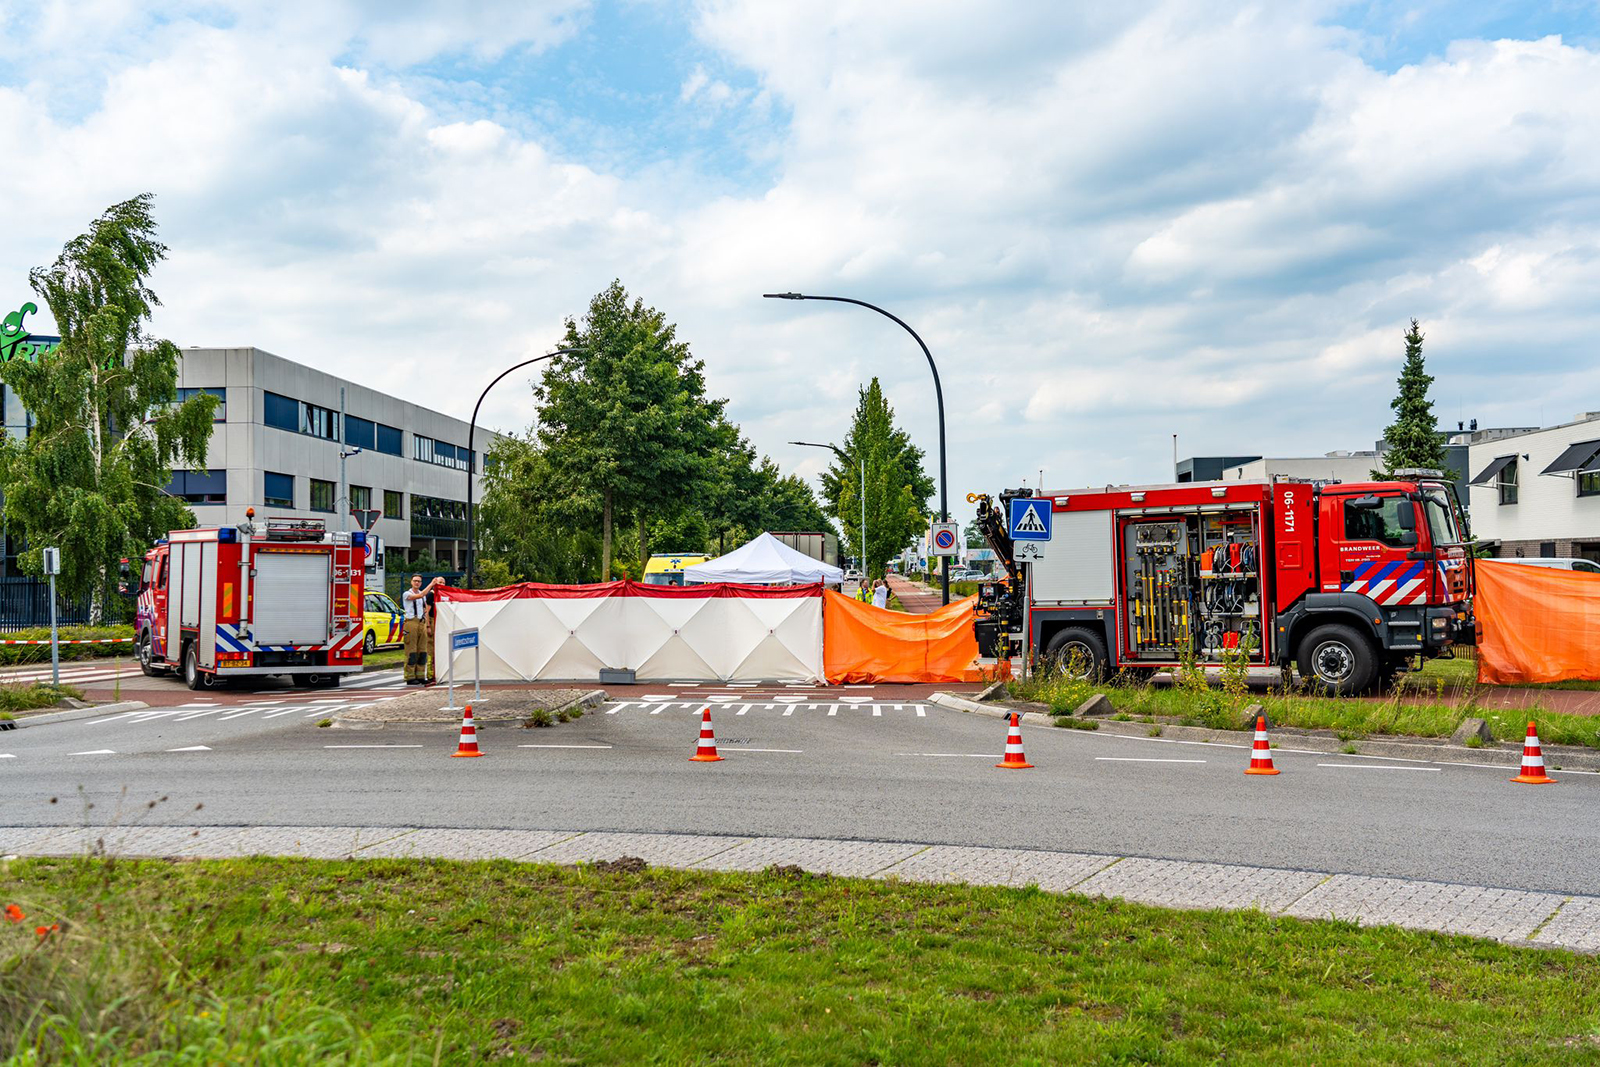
344	451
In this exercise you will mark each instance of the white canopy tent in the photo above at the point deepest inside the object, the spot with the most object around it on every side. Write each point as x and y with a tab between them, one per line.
764	561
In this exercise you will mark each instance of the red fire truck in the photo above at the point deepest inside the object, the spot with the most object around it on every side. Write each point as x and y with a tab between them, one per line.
1350	583
284	597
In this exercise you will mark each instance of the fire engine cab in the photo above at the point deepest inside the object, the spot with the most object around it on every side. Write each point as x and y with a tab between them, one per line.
225	602
1350	583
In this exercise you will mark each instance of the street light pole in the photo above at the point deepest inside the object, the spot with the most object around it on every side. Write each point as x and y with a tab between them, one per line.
472	430
938	392
841	455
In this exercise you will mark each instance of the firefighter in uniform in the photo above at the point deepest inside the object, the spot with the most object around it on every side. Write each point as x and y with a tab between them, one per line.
417	631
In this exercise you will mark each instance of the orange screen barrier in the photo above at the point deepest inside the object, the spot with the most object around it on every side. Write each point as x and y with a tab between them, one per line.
861	643
1536	624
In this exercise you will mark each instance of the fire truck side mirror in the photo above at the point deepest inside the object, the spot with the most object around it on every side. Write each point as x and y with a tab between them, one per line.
1408	517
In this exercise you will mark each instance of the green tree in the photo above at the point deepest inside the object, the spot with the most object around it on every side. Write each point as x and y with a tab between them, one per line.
626	427
526	524
749	494
1413	438
90	477
898	488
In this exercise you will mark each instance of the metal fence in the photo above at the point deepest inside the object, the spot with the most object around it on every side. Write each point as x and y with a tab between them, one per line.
25	604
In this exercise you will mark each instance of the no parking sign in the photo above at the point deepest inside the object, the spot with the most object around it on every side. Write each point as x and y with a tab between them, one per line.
945	538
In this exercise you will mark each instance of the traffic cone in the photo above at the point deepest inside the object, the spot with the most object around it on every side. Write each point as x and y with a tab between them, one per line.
1261	752
469	736
707	750
1015	760
1533	762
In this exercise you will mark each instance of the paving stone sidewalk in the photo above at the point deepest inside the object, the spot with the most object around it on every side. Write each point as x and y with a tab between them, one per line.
501	704
1545	920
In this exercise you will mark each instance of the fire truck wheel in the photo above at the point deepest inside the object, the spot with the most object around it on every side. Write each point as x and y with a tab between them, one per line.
191	668
1077	651
146	654
1338	659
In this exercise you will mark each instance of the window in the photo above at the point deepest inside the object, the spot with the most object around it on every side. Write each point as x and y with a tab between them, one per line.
428	450
1441	519
280	412
393	504
1508	482
220	413
1381	523
360	497
359	432
388	440
199	487
1589	483
319	422
277	489
321	495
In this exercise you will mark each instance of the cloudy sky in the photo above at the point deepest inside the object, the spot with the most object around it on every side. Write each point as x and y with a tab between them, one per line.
1209	219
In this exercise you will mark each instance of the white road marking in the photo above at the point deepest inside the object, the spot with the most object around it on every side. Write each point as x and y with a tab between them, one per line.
275	712
7	755
236	714
789	710
95	752
972	755
1145	759
744	708
191	748
197	714
113	718
741	685
790	700
1376	767
877	712
371	746
833	711
790	750
855	700
658	710
618	707
564	746
657	696
681	685
922	713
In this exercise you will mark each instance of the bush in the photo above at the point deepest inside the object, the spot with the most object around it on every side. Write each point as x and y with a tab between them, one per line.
11	654
540	717
28	697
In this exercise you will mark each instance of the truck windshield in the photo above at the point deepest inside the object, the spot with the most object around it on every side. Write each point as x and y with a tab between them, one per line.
1441	518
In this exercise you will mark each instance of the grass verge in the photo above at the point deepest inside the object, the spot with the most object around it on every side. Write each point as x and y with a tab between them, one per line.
303	961
383	659
37	695
1402	713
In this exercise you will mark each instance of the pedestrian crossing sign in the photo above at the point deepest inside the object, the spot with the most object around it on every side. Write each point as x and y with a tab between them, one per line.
1030	519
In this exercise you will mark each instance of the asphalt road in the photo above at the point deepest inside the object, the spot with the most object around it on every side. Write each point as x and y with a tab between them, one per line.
809	763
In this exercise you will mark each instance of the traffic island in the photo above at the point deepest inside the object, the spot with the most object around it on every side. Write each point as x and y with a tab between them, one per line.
497	706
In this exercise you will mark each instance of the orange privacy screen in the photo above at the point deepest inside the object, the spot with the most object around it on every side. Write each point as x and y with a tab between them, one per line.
861	643
1536	624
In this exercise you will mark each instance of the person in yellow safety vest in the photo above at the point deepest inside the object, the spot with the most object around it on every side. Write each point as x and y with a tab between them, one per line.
416	633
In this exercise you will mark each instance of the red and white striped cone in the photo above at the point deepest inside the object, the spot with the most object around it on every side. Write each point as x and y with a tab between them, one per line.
707	750
468	745
1533	762
1261	751
1015	760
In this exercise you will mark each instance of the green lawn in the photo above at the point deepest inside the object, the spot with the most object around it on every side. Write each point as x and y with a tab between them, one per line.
384	658
301	961
1408	713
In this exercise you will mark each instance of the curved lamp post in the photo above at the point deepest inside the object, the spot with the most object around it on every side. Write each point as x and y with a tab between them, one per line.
846	460
472	430
938	392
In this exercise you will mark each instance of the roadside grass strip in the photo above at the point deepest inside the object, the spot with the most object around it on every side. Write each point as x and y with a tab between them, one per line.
296	961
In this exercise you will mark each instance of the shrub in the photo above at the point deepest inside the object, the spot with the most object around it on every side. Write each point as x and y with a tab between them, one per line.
540	717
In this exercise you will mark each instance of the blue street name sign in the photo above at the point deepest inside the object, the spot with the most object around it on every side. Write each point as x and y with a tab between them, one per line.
460	639
1030	519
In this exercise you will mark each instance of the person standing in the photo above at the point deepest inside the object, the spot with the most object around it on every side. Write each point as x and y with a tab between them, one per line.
416	632
880	594
432	600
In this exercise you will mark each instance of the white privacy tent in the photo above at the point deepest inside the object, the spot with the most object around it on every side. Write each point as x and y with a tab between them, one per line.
663	633
764	561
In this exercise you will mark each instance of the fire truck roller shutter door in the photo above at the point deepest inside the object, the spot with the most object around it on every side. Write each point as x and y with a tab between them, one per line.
291	598
207	585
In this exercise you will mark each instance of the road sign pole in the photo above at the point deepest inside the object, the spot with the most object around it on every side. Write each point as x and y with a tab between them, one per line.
451	674
55	651
477	671
1027	618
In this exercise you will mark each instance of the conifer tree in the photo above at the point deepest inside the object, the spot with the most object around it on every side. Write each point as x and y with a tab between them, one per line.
1413	438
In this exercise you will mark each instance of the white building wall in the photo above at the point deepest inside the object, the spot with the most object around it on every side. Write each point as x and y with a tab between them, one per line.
1548	507
1348	468
246	447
